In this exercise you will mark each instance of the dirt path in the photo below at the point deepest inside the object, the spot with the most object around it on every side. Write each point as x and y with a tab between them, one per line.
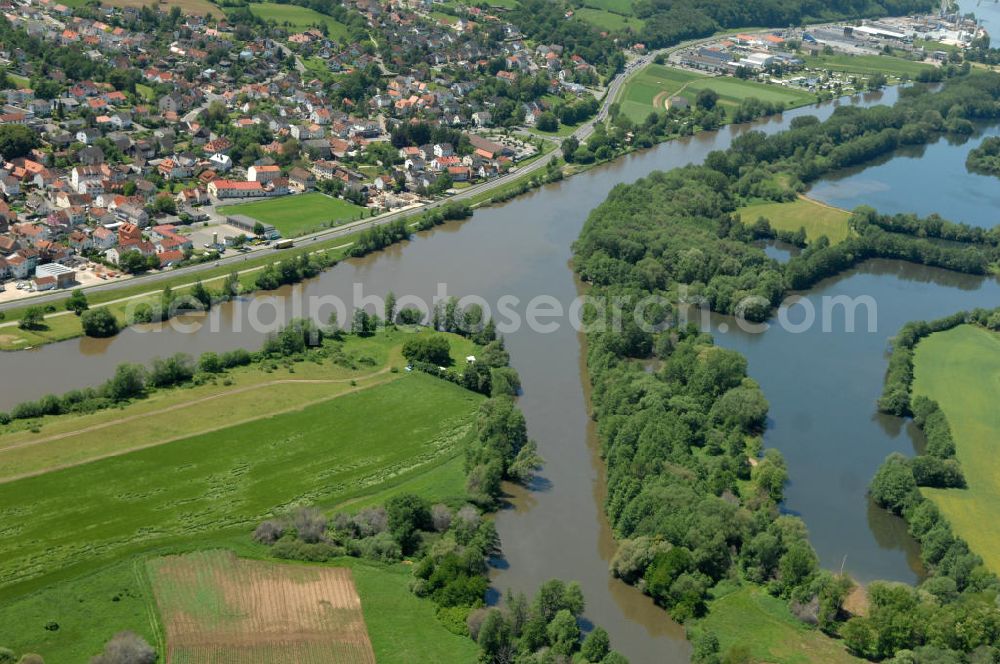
176	407
803	197
663	98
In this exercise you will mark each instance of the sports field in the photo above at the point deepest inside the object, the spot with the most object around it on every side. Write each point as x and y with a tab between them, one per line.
753	626
650	89
299	18
298	214
818	219
216	607
960	369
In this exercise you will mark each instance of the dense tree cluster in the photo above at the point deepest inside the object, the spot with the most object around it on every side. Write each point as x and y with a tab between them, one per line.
679	227
985	158
688	507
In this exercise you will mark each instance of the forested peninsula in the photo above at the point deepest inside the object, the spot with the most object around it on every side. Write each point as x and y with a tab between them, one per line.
689	498
985	159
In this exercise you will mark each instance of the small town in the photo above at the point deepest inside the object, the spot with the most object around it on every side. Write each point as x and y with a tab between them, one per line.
142	172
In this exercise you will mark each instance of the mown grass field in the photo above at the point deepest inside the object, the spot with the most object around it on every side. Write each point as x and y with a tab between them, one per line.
300	18
299	214
816	218
648	90
750	618
867	64
960	369
242	394
609	21
326	453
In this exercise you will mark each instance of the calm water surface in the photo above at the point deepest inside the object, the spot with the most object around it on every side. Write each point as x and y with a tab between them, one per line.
822	388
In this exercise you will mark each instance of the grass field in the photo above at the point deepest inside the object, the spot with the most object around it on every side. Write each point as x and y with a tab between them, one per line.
648	90
216	607
609	21
326	453
299	214
867	64
960	369
750	618
299	18
816	218
245	393
623	7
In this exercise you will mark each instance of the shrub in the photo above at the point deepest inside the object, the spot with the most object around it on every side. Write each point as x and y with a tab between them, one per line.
99	323
269	532
126	648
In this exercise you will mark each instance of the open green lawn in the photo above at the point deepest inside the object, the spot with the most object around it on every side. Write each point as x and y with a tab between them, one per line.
816	218
609	21
299	18
750	618
623	7
68	521
650	88
298	214
867	64
960	369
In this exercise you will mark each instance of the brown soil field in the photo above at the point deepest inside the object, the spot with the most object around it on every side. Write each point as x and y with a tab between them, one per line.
219	609
203	7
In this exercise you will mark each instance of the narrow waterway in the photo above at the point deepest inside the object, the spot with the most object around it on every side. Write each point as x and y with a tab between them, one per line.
557	529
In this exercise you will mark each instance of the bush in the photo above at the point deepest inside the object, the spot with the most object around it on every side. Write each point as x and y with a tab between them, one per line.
269	532
431	349
126	648
99	323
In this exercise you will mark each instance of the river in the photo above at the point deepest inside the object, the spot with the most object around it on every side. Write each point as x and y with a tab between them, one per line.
821	387
988	13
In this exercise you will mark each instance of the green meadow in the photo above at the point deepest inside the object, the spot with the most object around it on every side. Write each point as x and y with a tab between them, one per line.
816	218
753	626
960	369
67	521
867	64
300	18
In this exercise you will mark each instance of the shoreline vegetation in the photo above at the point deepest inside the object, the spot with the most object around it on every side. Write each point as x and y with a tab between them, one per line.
418	510
691	501
48	323
985	159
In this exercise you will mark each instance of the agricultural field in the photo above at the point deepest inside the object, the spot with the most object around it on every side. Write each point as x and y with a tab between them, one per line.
960	369
818	219
216	607
760	628
203	7
867	64
299	18
210	485
650	89
299	214
608	21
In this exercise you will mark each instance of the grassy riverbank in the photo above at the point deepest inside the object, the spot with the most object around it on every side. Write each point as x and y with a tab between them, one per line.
960	369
